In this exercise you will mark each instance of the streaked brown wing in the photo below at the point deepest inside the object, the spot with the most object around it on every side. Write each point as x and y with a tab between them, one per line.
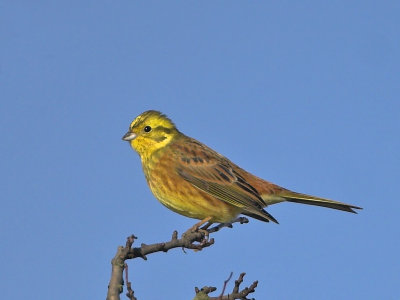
215	175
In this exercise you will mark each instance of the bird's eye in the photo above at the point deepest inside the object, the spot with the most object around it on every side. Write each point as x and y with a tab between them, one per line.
147	129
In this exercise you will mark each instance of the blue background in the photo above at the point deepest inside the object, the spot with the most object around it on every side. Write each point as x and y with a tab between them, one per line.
305	95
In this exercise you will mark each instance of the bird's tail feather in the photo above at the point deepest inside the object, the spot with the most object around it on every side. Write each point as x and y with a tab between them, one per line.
312	200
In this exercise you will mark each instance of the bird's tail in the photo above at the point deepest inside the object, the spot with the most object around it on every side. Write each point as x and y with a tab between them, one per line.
312	200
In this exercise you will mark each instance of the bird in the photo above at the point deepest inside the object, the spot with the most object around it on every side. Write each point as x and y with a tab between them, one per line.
194	180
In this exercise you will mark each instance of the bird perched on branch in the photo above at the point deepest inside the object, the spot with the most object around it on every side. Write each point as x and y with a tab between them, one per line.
195	181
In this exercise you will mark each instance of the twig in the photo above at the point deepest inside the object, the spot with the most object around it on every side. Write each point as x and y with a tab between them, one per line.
240	220
130	293
189	240
202	294
224	287
116	284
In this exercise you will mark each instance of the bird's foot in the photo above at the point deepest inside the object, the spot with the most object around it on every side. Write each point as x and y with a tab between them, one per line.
203	230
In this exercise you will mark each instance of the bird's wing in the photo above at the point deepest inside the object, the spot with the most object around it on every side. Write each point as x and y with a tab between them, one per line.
212	173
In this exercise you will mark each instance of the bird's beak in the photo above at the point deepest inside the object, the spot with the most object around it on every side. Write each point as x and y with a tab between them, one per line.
129	136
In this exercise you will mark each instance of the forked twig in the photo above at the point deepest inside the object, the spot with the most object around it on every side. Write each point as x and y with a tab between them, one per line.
202	294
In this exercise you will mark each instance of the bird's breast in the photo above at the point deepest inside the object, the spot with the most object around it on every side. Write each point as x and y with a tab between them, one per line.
181	196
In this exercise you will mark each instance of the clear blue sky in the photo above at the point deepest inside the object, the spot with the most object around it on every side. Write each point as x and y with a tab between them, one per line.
304	95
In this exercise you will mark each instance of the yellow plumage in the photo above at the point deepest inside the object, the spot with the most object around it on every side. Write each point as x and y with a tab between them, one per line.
193	180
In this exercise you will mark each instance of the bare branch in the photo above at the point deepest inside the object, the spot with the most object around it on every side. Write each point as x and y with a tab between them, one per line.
202	294
240	220
115	287
130	293
191	239
224	287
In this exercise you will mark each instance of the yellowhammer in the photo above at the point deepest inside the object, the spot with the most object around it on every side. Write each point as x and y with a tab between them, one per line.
193	180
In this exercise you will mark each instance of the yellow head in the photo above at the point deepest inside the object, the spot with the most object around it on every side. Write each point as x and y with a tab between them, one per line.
150	132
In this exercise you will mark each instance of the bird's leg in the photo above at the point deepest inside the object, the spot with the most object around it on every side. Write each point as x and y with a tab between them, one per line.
205	227
197	227
199	224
